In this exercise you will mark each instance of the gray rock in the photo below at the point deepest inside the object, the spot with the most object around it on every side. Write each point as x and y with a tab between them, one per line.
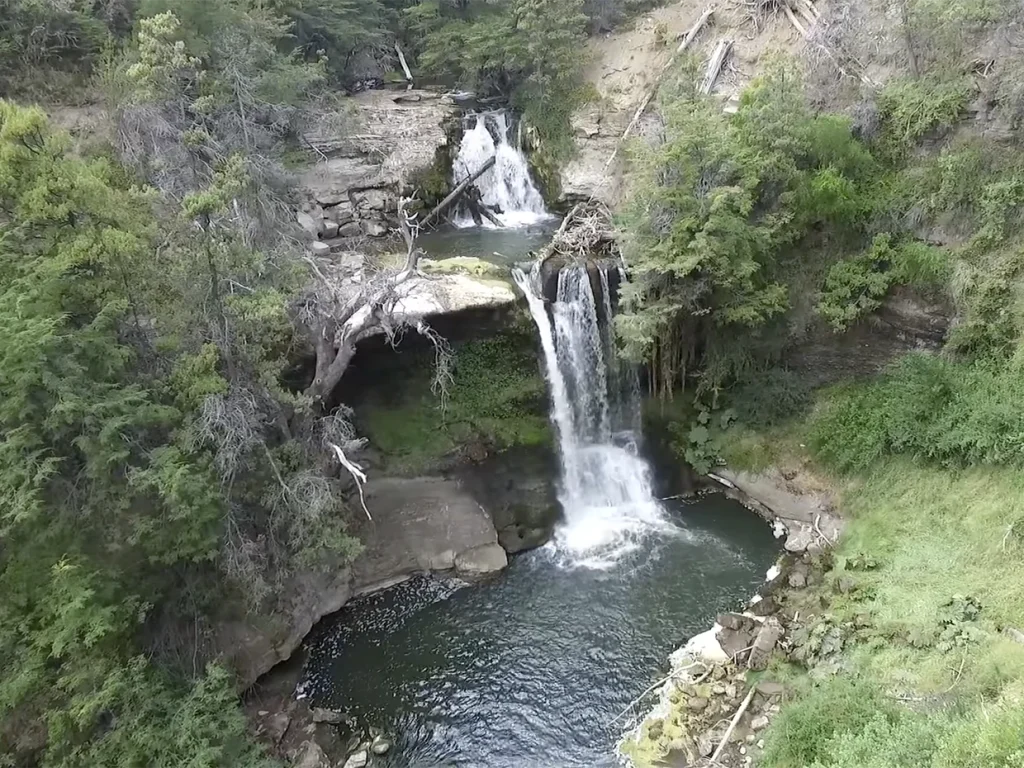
697	703
330	230
846	584
350	229
311	756
320	248
373	200
759	723
764	644
481	561
310	224
798	579
421	524
358	759
380	746
735	642
769	688
734	621
373	227
329	716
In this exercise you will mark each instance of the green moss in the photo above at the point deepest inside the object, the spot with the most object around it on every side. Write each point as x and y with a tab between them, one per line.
497	398
463	265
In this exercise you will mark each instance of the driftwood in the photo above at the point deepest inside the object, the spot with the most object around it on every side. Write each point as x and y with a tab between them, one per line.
456	193
732	725
715	65
690	36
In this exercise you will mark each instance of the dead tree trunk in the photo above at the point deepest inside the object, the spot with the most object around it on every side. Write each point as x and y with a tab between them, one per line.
456	193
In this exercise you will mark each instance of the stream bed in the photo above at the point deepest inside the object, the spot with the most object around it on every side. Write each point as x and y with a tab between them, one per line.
531	669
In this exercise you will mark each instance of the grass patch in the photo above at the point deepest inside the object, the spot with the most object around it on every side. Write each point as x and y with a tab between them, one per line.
946	567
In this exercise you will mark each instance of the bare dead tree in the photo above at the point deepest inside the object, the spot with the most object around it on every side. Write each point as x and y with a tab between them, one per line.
340	313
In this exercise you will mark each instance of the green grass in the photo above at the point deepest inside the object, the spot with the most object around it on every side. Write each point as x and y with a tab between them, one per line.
934	535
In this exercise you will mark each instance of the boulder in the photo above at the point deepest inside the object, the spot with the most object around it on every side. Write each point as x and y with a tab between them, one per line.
311	756
764	644
350	229
423	524
481	561
357	759
373	227
377	199
329	716
309	224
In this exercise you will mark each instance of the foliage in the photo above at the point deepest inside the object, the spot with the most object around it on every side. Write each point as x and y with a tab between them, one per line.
856	286
928	407
722	210
496	399
143	468
910	109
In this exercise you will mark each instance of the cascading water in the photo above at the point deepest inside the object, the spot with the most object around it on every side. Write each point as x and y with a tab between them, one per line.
606	490
506	189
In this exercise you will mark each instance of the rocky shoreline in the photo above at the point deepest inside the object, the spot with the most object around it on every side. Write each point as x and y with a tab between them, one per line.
714	702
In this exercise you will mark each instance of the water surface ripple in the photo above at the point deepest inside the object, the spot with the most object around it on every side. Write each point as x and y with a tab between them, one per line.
529	670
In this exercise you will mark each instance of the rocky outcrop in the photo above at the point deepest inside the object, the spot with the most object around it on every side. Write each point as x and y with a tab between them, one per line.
906	322
419	525
517	488
368	159
800	509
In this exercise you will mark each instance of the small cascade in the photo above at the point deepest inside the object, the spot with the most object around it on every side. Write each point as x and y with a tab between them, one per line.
606	489
506	189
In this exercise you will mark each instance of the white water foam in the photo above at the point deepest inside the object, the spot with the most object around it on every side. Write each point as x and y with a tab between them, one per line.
507	187
606	490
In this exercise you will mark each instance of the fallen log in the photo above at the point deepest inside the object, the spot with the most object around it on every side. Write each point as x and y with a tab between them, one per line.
715	65
690	36
456	193
405	66
733	724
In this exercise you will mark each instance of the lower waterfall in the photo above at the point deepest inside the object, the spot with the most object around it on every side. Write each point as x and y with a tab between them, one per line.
606	491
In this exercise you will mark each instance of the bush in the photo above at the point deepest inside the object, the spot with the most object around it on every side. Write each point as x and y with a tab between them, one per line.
931	408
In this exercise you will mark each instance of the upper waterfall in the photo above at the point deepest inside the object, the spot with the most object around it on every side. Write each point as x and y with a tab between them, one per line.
507	189
606	491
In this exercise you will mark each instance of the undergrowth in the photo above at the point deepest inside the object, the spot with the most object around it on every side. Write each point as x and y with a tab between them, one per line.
497	398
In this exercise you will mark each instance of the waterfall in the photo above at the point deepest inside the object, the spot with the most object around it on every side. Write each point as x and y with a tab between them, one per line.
507	188
606	490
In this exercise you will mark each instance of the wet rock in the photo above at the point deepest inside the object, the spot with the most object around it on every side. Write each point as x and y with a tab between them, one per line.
759	723
358	759
735	642
734	621
764	644
380	746
329	716
311	756
765	607
481	561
